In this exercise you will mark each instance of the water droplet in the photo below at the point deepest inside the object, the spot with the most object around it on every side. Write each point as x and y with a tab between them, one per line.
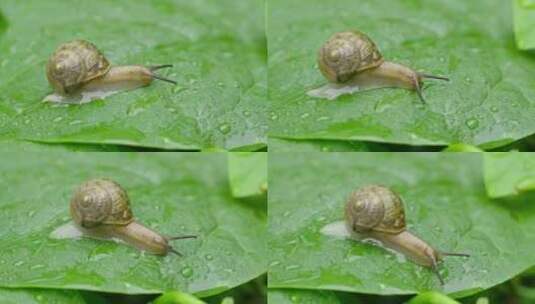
274	263
274	116
472	123
27	121
494	109
220	84
382	286
246	113
39	298
292	242
305	115
468	79
37	266
135	110
178	89
321	219
209	257
325	149
187	272
442	59
224	128
322	118
58	119
18	263
294	298
291	267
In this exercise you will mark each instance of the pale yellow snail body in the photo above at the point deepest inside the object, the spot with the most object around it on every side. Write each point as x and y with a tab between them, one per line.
100	209
352	62
377	212
80	73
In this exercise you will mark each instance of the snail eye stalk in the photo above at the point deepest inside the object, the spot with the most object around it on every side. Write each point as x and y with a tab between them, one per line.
159	67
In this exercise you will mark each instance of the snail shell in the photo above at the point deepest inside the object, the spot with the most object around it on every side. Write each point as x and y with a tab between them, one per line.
74	64
346	54
375	208
352	62
79	73
100	209
100	202
377	212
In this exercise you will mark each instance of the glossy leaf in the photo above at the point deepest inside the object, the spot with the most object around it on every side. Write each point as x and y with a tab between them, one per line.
177	297
489	102
524	13
288	145
445	203
218	52
173	193
38	296
247	173
509	173
290	296
28	146
462	148
432	297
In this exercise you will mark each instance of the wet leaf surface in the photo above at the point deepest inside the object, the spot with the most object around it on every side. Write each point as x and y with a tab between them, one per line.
218	52
446	205
489	102
173	193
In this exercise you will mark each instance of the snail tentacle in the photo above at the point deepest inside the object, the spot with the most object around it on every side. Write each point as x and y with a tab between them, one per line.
352	62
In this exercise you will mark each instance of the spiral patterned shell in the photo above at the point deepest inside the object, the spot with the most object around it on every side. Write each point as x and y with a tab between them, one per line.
100	202
375	208
73	64
346	54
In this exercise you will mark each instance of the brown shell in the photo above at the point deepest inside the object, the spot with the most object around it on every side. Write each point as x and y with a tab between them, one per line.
100	202
375	208
346	54
73	64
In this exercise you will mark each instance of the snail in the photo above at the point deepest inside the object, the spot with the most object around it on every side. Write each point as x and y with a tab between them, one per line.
352	62
377	212
80	73
100	208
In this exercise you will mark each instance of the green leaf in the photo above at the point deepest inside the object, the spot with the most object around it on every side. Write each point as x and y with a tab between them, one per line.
432	297
173	193
489	102
524	12
227	300
291	296
247	173
509	173
218	52
177	297
38	296
288	145
28	146
445	203
462	148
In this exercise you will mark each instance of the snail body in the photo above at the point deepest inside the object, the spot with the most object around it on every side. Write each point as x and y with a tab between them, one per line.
100	209
377	212
79	72
352	62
